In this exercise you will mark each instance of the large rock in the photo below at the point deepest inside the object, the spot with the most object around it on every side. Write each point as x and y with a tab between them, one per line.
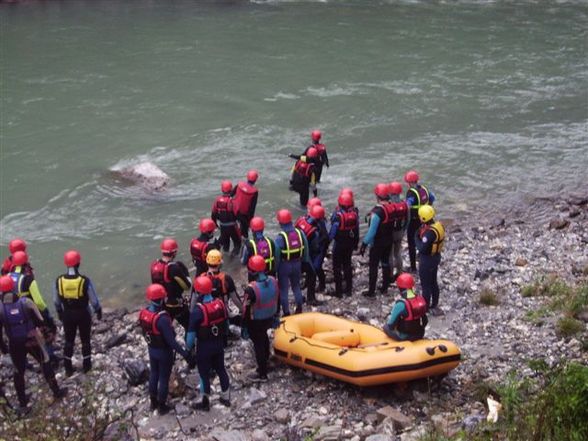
145	174
231	435
328	433
400	420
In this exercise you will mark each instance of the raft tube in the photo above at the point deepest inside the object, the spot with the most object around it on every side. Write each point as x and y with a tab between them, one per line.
357	353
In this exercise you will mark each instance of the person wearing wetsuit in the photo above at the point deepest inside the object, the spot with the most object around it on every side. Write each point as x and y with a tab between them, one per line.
175	278
344	233
223	215
417	195
25	285
72	295
200	246
223	287
314	228
208	319
429	239
400	219
245	196
408	318
261	245
20	320
159	333
379	239
261	306
304	176
291	252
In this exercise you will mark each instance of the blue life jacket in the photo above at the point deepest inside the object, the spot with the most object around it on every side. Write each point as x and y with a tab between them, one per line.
266	299
17	324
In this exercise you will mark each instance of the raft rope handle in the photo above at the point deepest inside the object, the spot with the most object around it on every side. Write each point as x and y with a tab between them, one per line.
431	350
342	351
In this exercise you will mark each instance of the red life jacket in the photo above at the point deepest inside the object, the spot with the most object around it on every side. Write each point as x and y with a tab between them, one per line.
159	272
243	197
306	227
6	266
223	207
320	148
304	169
148	322
215	315
198	250
395	213
412	324
348	219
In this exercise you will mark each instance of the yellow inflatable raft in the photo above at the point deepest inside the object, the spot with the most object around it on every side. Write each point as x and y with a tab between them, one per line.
357	353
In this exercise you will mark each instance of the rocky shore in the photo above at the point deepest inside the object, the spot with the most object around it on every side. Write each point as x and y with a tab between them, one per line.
499	256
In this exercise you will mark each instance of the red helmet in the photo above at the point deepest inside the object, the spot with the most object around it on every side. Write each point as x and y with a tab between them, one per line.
395	187
314	201
347	190
411	177
317	212
312	153
20	258
257	224
155	291
252	175
284	216
203	285
226	186
256	264
17	245
169	246
381	190
405	281
345	200
72	258
6	284
207	225
316	135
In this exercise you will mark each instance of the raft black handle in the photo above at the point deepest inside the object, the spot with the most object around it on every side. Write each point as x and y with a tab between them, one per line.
343	351
431	350
293	339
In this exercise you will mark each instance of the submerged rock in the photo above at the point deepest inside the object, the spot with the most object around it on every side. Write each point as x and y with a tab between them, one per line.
145	174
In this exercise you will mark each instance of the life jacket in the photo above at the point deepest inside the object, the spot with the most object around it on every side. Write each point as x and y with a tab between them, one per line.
215	316
348	220
303	169
266	299
243	197
306	227
320	148
416	308
72	290
223	207
395	213
148	321
198	250
17	324
294	244
263	248
422	198
17	280
219	284
439	230
159	272
385	230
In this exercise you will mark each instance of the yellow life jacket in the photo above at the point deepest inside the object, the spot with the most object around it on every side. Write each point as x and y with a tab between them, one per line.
71	289
439	230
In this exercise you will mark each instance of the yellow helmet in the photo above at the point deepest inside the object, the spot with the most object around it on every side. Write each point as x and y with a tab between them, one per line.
426	213
214	258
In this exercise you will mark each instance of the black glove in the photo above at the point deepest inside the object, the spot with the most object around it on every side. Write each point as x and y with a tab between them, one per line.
99	313
191	360
49	322
293	156
362	249
315	192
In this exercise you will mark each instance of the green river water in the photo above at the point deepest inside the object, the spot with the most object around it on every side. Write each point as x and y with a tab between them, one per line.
487	100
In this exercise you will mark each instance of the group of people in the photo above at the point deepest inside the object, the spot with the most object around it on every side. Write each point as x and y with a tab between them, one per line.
30	327
205	305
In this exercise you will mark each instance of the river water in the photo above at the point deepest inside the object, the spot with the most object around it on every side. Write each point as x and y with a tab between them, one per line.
487	100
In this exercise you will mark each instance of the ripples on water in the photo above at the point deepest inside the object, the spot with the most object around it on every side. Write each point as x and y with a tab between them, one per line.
488	100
